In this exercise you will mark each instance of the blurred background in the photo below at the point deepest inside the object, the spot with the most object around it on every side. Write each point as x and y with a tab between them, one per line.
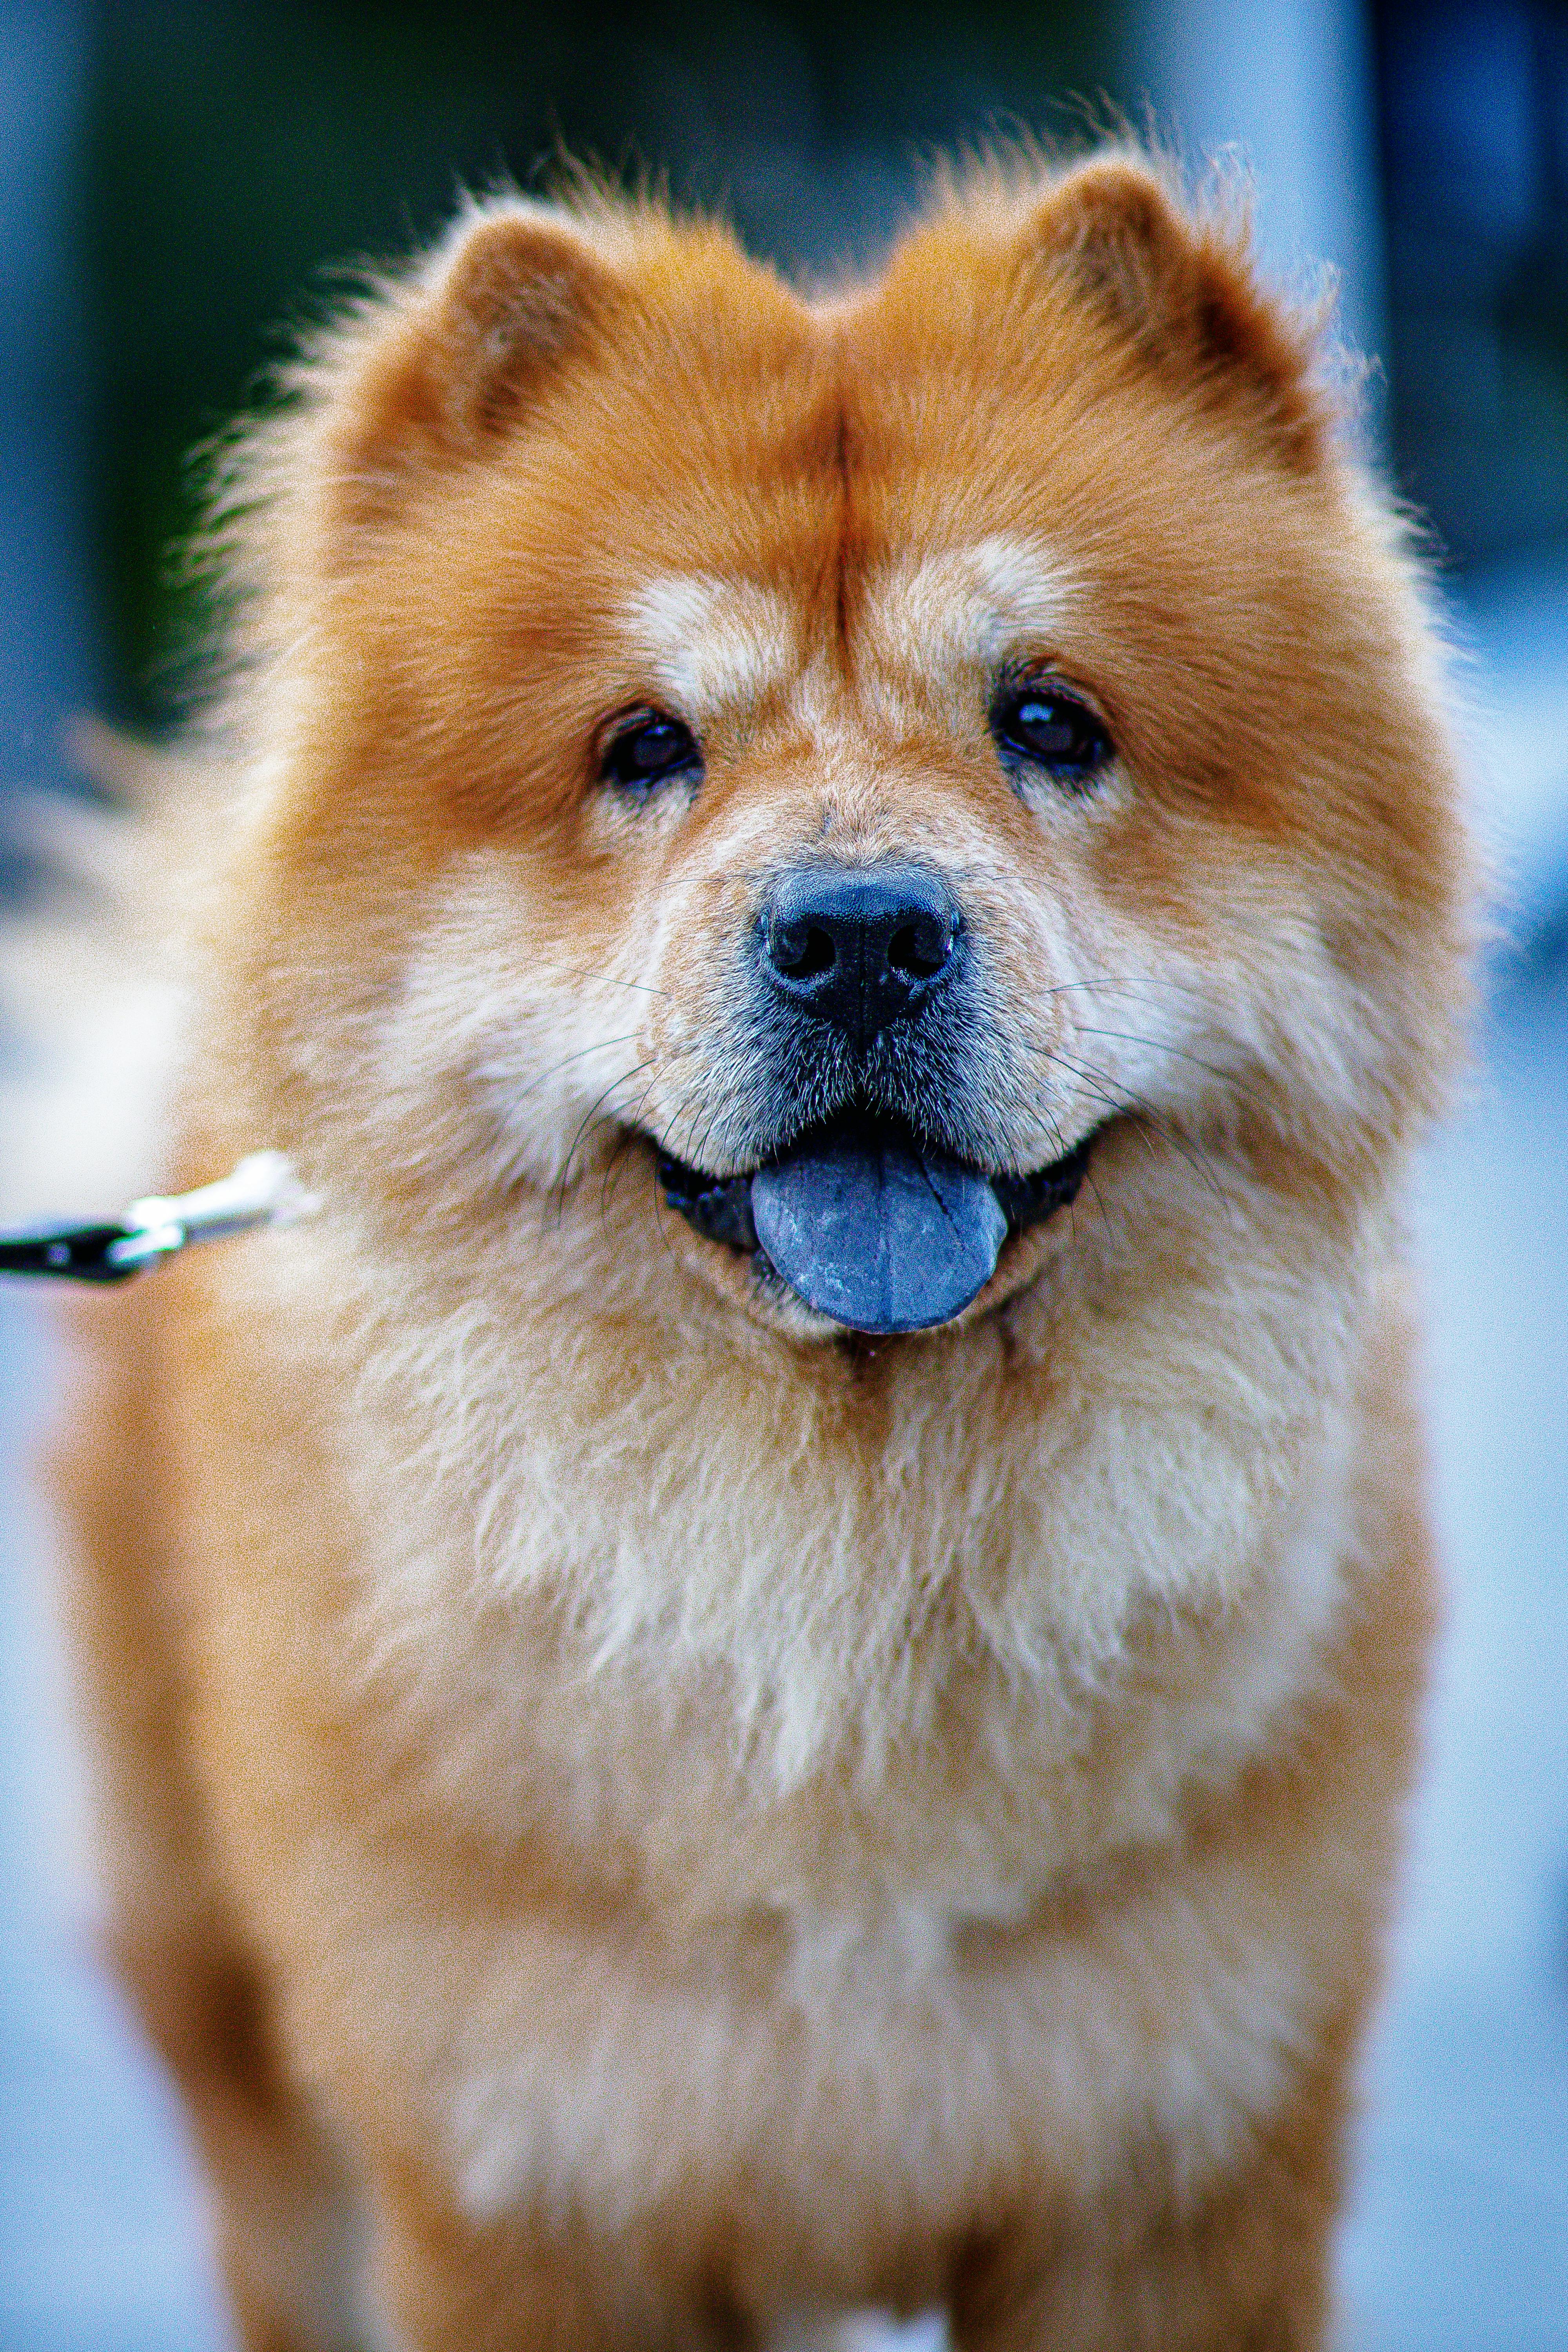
175	182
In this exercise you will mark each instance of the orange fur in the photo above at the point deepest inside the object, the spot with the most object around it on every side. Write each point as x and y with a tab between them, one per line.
661	1818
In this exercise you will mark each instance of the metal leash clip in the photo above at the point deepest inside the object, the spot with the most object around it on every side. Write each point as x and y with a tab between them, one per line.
262	1190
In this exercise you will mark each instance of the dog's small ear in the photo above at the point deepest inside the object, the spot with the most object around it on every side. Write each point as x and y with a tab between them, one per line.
433	377
1185	293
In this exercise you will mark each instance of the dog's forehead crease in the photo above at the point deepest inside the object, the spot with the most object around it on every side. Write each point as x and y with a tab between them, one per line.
711	643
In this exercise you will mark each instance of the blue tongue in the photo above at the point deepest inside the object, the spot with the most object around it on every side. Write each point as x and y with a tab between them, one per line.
878	1236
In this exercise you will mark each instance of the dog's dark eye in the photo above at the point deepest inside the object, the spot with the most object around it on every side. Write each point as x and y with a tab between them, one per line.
646	750
1051	730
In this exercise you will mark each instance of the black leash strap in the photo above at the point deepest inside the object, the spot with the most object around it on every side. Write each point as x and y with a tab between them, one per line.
69	1253
262	1190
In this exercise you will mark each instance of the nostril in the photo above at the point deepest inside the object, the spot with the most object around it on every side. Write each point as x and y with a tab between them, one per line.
802	950
919	948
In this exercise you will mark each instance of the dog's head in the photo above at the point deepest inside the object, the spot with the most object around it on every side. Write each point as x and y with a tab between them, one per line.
833	772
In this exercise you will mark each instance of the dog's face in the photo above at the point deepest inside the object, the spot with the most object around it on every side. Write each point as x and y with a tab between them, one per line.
842	764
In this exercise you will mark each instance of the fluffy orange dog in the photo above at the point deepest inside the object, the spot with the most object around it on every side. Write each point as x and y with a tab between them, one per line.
773	1667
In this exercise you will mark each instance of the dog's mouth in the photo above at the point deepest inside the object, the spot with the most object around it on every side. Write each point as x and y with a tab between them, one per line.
871	1225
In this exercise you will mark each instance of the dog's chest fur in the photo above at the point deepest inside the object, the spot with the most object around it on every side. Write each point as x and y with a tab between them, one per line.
643	1943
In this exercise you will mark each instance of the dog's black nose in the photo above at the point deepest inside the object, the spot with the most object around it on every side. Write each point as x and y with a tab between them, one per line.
860	945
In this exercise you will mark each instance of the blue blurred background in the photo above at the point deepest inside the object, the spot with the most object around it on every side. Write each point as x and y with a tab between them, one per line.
174	181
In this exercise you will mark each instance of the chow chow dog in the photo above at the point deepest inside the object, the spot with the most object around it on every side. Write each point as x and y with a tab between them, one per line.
772	1669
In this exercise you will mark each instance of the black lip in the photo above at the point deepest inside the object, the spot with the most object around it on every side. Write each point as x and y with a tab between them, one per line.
719	1207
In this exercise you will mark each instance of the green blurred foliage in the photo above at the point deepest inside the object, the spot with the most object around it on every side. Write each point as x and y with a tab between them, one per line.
237	151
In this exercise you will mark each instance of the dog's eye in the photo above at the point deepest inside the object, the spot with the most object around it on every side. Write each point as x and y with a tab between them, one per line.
1051	730
646	750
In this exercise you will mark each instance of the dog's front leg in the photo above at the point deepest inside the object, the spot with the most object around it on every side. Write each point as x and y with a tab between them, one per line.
1244	2269
528	2283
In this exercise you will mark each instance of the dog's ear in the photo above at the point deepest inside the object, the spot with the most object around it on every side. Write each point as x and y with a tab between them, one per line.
1185	293
460	353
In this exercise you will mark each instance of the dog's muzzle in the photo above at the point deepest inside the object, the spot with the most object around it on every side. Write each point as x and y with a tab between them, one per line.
865	974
